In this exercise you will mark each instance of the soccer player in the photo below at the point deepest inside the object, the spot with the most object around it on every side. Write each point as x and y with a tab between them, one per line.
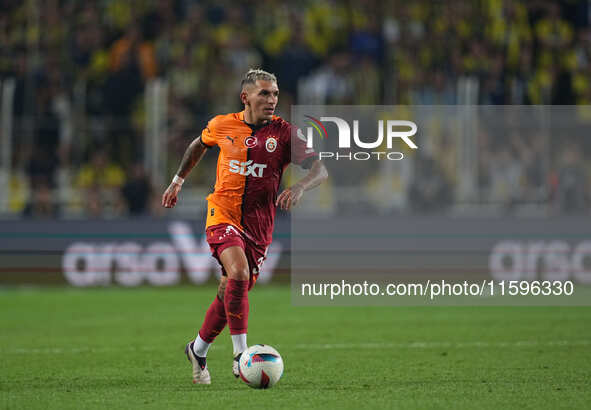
255	147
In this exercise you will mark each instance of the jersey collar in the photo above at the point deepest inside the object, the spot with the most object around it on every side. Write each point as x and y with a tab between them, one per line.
252	126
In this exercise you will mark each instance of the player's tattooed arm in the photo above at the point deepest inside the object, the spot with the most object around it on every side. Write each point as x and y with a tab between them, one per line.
192	156
291	196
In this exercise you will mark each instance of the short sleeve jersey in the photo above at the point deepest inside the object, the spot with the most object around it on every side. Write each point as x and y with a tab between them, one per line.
249	169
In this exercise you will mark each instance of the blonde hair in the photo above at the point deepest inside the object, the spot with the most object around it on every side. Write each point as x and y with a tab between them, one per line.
253	75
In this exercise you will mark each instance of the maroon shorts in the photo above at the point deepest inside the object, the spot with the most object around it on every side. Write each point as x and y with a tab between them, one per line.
222	236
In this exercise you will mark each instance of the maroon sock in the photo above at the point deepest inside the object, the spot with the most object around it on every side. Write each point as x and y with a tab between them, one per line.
236	303
214	322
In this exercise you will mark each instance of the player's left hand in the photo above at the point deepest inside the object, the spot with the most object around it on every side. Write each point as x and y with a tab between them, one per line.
290	197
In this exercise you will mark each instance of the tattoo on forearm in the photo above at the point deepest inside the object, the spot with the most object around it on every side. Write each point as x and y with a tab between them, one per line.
192	156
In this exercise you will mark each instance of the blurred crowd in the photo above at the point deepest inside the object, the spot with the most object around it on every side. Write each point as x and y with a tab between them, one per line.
81	69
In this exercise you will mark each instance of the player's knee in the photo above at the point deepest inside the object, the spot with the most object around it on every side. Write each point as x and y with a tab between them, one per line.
238	272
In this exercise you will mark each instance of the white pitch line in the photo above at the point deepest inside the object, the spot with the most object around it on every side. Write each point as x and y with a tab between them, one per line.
438	345
321	346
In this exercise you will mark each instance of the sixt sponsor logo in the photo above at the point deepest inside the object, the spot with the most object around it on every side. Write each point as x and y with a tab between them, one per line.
247	168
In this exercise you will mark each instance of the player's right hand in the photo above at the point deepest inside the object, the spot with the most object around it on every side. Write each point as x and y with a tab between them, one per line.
170	196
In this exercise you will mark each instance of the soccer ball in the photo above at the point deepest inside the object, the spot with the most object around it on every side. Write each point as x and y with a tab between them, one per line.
261	366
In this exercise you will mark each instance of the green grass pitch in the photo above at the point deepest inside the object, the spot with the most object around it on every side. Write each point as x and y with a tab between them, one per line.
123	348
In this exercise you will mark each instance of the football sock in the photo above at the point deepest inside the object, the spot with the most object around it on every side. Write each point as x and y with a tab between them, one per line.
239	343
213	324
200	347
201	360
236	304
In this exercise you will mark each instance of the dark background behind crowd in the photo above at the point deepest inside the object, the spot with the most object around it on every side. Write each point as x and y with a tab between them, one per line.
81	69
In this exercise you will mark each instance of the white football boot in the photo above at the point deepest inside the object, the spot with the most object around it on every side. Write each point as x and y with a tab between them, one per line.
200	374
236	366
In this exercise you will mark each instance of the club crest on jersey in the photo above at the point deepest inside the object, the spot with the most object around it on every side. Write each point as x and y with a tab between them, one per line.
271	144
250	142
